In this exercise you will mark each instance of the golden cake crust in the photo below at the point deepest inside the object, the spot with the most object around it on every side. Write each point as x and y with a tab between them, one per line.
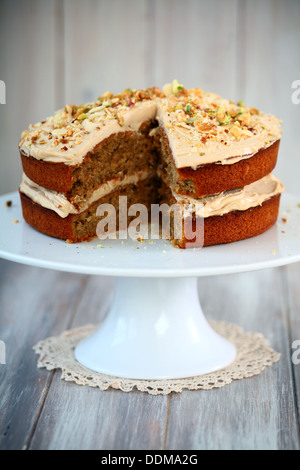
53	176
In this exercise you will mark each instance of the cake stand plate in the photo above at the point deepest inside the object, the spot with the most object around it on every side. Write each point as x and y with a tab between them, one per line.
155	328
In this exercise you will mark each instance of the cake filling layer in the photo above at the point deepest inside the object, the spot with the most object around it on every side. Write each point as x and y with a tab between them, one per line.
242	199
59	203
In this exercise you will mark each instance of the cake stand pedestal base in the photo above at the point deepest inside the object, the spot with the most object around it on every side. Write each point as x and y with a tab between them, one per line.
155	329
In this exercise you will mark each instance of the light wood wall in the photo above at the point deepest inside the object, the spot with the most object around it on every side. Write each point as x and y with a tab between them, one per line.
54	52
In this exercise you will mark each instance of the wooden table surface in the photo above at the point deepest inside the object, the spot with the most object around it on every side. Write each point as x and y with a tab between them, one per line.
39	411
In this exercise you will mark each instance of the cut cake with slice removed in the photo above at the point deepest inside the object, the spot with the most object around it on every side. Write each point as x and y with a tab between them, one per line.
187	143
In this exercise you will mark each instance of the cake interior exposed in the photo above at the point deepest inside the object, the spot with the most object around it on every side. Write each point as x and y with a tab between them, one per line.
179	146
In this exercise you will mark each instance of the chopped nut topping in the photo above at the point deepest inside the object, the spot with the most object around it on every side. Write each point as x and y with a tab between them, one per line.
82	116
69	109
120	119
236	131
198	118
205	127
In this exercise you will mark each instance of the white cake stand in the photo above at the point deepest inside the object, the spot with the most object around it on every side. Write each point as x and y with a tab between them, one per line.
155	328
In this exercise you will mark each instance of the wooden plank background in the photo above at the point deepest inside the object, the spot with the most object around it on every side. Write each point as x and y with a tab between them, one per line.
54	52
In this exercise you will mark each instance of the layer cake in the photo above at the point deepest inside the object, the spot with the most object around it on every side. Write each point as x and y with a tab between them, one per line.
174	145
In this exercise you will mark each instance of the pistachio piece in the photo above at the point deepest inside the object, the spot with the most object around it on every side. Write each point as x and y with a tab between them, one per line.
106	103
188	109
179	106
82	116
176	86
191	120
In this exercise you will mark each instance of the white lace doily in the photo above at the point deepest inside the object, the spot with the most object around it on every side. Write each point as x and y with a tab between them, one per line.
253	356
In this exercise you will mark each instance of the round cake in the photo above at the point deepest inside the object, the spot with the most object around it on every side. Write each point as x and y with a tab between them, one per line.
174	146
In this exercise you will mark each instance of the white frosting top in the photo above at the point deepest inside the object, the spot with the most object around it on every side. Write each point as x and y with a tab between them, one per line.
252	195
201	127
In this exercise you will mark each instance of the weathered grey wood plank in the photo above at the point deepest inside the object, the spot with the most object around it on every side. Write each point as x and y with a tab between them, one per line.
29	41
88	419
257	413
113	55
34	304
83	418
195	42
268	60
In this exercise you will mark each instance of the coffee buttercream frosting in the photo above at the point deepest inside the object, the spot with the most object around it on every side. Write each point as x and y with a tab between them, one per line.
201	127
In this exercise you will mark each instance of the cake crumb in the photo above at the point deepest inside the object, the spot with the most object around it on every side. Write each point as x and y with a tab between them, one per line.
15	221
283	231
284	220
274	252
100	246
298	205
8	204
